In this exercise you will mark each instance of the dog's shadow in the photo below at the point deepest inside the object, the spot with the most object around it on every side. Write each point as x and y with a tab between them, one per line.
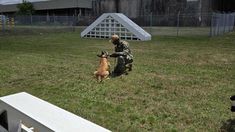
113	75
228	126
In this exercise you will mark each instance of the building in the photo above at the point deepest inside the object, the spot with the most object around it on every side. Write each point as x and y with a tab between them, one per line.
131	8
135	8
140	11
165	12
54	7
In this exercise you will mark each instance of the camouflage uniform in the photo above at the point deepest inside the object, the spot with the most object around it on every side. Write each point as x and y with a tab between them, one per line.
124	57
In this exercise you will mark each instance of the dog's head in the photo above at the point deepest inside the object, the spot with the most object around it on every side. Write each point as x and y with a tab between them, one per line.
104	54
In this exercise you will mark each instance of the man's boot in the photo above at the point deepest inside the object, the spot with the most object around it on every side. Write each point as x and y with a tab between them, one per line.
232	98
120	67
129	67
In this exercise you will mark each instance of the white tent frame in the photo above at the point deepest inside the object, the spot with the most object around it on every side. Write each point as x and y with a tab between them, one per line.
115	23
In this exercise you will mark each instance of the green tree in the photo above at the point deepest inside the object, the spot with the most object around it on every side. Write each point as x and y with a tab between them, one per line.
25	8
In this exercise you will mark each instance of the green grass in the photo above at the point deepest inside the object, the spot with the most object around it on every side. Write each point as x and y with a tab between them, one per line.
155	30
177	84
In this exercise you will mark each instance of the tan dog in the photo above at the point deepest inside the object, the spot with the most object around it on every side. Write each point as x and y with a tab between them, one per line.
103	69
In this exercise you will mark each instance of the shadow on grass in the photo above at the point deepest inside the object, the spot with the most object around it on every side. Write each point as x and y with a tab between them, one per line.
228	126
119	74
115	75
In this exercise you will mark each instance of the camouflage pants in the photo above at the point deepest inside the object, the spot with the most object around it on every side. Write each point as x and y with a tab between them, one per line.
122	62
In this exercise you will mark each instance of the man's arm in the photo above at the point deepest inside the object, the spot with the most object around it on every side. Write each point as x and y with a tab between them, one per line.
125	52
116	54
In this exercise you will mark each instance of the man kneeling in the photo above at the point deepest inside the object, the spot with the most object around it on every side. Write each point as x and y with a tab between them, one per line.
123	55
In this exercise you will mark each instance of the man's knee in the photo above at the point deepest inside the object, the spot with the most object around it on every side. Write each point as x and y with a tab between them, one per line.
121	60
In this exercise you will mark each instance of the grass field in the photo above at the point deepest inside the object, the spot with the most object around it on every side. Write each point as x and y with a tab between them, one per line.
155	30
177	84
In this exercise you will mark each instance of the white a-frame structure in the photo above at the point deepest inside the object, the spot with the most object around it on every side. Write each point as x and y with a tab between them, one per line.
115	23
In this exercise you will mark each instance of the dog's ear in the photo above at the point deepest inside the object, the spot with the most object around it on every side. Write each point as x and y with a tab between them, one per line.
99	55
105	53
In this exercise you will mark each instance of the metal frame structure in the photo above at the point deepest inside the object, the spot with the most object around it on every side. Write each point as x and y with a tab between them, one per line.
115	23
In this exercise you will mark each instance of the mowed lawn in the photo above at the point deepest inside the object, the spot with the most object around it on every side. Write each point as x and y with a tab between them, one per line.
177	83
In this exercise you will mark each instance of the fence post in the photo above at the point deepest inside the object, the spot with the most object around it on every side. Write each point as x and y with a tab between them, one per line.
233	24
151	22
230	22
8	25
178	23
227	22
54	18
13	23
233	21
31	19
224	22
218	23
221	24
2	23
212	25
74	23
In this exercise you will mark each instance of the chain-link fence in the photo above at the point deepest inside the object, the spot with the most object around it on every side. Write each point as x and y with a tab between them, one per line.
222	23
177	25
201	24
37	24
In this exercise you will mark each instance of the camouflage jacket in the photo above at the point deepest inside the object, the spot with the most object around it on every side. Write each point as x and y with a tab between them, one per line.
123	49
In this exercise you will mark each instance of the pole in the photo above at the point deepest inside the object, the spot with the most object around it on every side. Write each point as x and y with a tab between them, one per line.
31	19
178	23
1	23
212	26
151	22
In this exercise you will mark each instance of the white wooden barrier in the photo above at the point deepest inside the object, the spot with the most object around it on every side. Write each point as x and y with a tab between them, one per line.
24	112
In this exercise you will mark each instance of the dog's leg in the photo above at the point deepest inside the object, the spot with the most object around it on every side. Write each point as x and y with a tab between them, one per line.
109	68
95	73
99	79
106	75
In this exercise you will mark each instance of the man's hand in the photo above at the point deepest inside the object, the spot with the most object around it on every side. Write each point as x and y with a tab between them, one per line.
113	55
